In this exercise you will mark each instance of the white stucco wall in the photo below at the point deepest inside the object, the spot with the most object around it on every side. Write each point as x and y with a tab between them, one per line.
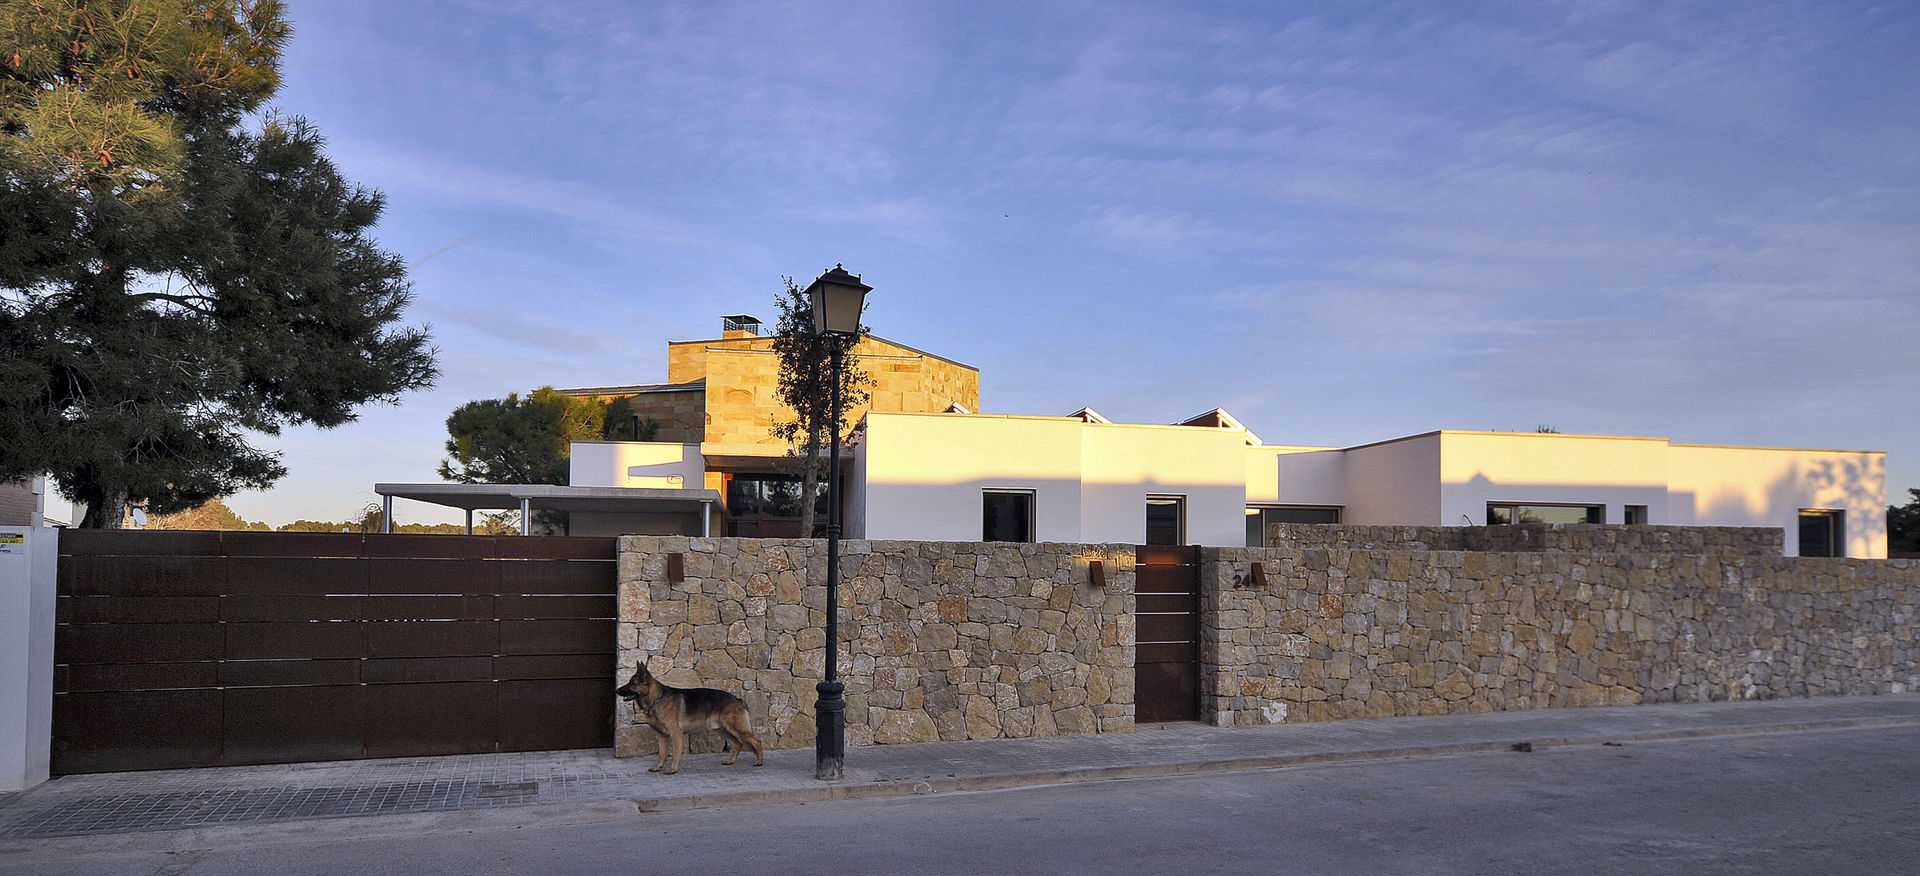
1124	464
1395	482
1763	486
922	476
656	465
1296	476
28	556
1481	467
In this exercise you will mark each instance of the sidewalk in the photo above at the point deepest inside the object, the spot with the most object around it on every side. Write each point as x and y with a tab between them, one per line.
411	794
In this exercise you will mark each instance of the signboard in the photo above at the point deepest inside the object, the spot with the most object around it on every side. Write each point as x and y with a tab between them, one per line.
13	542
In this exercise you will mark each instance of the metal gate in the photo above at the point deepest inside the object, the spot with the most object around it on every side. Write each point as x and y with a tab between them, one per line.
1166	663
185	649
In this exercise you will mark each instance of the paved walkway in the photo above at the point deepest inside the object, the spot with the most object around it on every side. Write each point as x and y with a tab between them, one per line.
594	784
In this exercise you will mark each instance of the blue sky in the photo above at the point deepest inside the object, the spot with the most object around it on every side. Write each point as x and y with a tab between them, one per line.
1343	222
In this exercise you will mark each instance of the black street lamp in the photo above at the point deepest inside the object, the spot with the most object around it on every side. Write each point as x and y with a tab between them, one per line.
837	299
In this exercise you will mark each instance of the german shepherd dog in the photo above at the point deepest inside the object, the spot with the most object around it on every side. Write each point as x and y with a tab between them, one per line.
672	711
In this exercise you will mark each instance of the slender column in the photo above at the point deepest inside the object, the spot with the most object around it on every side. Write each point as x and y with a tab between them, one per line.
526	516
830	713
386	513
469	521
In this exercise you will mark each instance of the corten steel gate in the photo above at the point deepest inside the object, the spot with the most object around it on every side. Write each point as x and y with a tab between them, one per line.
1166	662
184	649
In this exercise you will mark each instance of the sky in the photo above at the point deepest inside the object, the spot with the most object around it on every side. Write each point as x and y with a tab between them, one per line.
1342	222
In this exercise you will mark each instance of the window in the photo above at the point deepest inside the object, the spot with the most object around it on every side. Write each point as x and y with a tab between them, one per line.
768	506
1500	513
1259	517
1635	515
1166	520
1823	533
1006	515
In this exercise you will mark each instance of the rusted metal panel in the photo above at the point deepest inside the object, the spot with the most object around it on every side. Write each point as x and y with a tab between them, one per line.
97	677
138	643
245	608
290	724
566	713
413	720
273	647
394	670
564	636
1173	627
296	672
314	639
538	666
284	576
558	606
137	609
557	576
140	542
109	731
89	575
1166	633
433	638
456	607
413	575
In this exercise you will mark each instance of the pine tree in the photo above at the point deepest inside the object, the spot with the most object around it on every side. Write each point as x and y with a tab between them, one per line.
177	269
516	440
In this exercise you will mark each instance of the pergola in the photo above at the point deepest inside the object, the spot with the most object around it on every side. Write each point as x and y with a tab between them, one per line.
546	497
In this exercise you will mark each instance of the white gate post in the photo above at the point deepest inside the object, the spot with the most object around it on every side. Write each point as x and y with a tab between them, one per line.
28	563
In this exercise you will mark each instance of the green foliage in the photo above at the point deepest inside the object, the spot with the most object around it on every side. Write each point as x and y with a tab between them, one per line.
174	273
1903	526
807	387
519	441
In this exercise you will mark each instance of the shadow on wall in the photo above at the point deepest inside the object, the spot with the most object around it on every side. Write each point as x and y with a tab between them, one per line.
1846	485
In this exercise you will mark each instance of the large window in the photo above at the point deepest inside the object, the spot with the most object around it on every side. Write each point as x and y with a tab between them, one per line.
768	506
1823	533
1006	515
1259	517
1499	513
1166	520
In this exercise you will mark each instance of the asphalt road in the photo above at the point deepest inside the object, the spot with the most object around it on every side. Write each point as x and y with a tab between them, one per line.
1832	802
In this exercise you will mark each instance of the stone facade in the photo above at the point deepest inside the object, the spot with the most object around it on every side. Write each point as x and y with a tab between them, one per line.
1368	632
739	399
680	412
946	641
941	641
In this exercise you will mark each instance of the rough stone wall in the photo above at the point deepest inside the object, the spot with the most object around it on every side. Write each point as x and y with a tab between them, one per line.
1742	541
1367	632
741	404
681	413
941	640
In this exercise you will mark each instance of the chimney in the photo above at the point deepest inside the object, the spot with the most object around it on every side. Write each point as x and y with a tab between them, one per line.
739	325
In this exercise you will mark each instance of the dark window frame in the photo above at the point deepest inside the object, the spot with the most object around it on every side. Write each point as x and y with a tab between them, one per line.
1595	513
1179	502
1257	537
1832	541
1026	502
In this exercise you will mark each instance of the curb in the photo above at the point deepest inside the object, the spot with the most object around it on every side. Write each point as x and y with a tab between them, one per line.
892	788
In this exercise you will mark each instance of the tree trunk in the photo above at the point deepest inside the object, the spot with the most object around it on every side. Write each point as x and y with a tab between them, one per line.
809	481
105	510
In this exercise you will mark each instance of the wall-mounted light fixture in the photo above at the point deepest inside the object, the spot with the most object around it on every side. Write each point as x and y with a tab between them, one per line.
1259	574
676	568
1096	573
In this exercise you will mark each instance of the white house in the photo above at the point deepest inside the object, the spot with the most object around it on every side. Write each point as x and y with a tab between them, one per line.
971	477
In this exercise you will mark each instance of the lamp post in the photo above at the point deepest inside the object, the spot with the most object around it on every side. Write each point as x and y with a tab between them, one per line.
837	298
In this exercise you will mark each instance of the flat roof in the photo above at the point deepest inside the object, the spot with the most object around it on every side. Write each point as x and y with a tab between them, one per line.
549	497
